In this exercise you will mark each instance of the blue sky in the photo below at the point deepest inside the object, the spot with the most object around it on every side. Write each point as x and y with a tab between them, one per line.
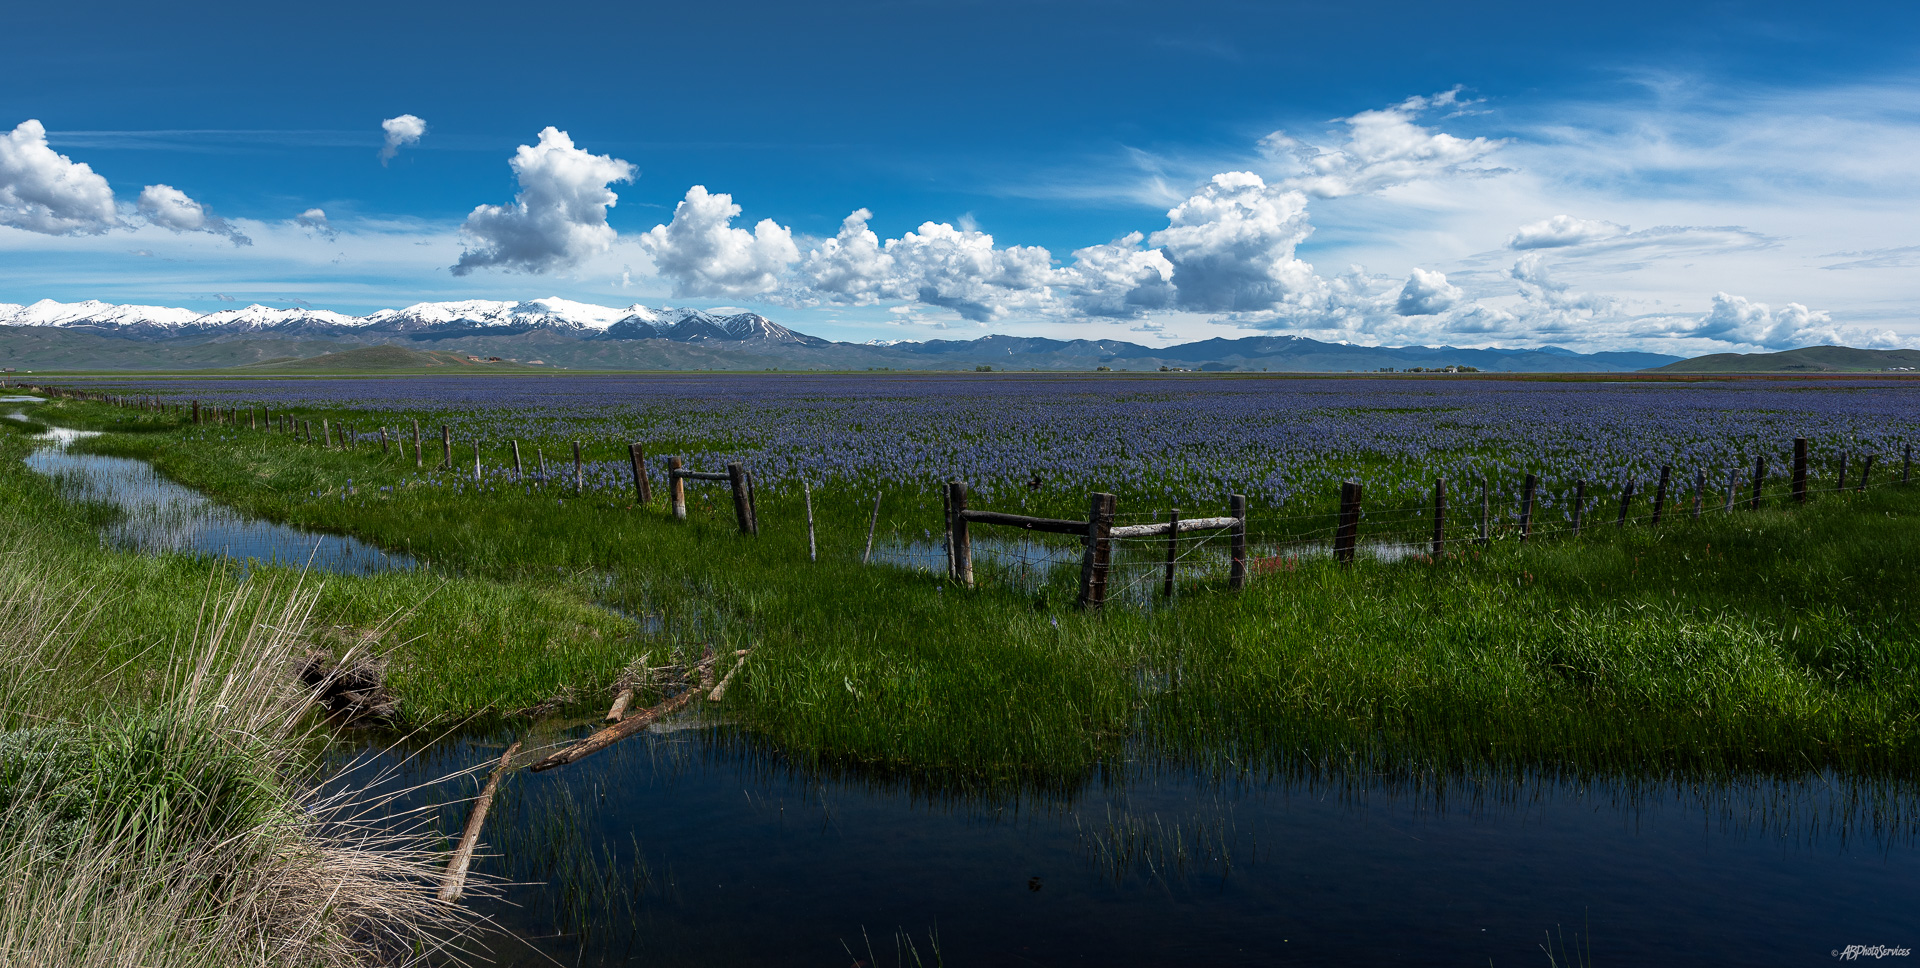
1681	177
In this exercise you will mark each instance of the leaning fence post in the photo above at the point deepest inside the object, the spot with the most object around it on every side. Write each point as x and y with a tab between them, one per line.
1173	552
579	472
872	524
676	489
642	488
1347	534
1759	478
1237	573
737	476
1799	470
1526	505
1099	549
1699	490
957	535
1660	494
385	448
517	475
806	494
1626	498
1840	483
1865	469
1439	517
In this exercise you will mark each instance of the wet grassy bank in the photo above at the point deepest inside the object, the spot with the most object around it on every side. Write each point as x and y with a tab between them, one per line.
1778	641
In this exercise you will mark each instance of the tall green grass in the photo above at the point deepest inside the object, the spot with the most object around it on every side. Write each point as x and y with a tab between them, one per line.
1778	641
185	828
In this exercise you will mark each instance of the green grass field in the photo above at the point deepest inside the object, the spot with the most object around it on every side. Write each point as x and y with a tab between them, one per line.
1775	642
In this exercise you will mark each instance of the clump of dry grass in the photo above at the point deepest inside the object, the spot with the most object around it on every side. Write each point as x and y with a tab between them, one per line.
192	830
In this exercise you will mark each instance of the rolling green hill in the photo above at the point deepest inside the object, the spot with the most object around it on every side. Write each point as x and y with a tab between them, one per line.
1807	359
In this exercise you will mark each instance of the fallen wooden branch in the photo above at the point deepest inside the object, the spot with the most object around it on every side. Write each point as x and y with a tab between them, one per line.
627	727
456	879
720	691
613	734
620	702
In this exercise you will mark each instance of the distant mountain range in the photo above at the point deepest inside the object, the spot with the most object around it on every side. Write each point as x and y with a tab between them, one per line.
557	332
1807	359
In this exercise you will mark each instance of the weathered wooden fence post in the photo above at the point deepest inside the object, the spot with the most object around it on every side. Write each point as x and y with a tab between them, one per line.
579	472
1759	478
1346	533
642	488
1098	555
540	456
518	475
476	462
806	494
1579	504
253	422
1526	505
1660	494
196	411
959	538
1799	470
742	498
1699	491
384	448
418	460
1173	552
1840	482
1237	571
1865	469
1626	498
676	489
326	434
1439	518
446	447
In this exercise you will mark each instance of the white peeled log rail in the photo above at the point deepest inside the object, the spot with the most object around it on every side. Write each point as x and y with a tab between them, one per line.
1096	533
1167	527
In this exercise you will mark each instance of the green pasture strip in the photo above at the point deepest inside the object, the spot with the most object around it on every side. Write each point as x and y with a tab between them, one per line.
1777	641
461	645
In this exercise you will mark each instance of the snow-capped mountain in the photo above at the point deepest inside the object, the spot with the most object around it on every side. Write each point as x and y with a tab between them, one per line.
470	316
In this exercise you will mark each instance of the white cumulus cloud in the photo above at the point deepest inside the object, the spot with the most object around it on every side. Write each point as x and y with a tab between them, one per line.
1563	230
705	255
1231	245
851	268
959	269
1735	319
559	217
170	208
44	191
1427	293
1119	279
401	131
1384	148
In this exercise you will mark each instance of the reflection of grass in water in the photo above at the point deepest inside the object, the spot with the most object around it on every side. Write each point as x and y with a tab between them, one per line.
906	951
1126	844
594	888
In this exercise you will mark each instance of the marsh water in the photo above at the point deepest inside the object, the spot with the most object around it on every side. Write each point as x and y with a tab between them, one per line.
159	517
696	844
